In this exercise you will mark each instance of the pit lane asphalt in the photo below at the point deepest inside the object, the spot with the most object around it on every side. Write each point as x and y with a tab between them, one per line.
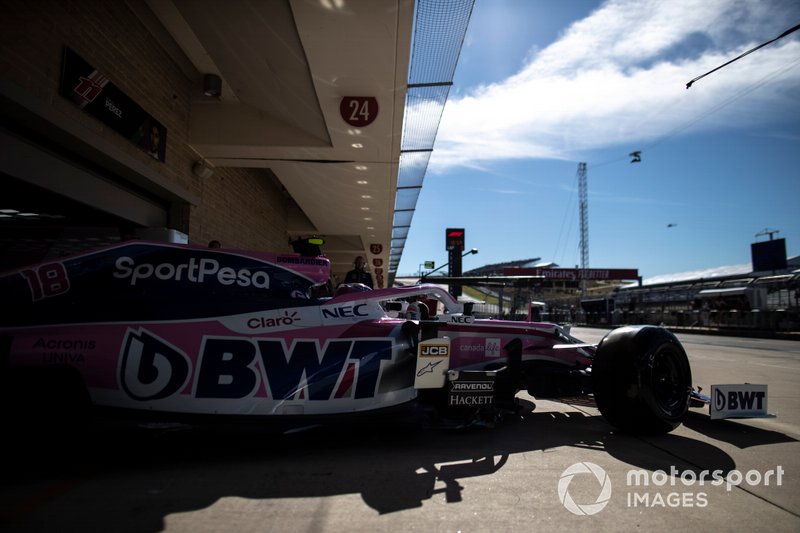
364	479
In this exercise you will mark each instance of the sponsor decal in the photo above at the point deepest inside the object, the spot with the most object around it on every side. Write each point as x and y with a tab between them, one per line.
433	362
65	344
293	260
235	368
473	386
273	320
345	311
63	350
429	367
434	350
746	400
573	274
493	348
488	347
471	348
461	319
151	368
455	400
471	389
193	271
264	322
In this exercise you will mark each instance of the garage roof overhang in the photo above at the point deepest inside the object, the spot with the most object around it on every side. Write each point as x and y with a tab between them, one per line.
284	67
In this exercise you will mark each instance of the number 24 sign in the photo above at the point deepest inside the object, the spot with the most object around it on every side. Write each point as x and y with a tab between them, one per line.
359	111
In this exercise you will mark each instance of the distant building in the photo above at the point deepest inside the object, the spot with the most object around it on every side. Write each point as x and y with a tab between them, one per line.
719	298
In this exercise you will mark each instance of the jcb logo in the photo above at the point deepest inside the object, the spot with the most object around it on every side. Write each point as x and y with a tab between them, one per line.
435	350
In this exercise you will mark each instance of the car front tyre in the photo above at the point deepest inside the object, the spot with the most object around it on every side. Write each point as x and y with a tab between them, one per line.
642	380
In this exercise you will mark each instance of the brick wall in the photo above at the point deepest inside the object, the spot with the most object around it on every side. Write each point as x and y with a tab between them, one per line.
240	207
229	193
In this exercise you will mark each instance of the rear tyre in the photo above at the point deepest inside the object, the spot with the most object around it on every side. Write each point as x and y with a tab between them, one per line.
642	380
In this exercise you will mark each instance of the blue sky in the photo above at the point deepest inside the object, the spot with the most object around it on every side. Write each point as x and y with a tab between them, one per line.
542	85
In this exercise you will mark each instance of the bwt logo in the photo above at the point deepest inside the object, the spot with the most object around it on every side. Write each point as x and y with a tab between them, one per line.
234	368
738	400
435	350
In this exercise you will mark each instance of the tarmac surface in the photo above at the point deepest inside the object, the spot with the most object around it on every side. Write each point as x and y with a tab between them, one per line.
524	475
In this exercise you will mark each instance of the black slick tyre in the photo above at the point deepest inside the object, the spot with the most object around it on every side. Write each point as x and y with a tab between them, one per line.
642	380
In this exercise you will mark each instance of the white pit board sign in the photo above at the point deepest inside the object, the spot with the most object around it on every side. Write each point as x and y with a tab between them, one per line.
738	401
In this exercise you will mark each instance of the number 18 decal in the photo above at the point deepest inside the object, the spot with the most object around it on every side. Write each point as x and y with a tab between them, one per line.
46	281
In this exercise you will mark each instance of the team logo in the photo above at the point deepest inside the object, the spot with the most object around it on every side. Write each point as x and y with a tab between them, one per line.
234	368
151	369
376	249
377	262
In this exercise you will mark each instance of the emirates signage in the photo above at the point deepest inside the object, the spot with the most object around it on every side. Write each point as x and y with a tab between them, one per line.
573	274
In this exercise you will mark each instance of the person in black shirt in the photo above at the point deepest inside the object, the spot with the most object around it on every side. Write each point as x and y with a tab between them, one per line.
358	274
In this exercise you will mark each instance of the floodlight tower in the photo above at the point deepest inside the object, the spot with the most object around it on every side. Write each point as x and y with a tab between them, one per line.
584	213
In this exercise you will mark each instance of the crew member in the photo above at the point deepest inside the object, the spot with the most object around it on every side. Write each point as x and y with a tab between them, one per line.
358	274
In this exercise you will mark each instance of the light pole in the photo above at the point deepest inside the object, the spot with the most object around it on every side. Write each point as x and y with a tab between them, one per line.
465	254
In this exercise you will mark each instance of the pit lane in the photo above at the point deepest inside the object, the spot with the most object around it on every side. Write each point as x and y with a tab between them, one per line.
501	479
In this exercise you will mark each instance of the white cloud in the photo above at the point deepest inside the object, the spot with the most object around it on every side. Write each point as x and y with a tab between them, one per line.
618	77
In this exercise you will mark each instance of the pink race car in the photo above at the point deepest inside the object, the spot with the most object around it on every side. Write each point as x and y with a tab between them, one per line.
180	333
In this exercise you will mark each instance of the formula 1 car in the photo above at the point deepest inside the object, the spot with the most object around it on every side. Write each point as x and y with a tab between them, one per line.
183	333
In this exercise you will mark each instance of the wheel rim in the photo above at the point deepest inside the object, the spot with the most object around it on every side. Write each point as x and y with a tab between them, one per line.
668	381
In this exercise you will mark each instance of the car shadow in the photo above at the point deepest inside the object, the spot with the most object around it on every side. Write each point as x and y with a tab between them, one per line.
733	432
132	481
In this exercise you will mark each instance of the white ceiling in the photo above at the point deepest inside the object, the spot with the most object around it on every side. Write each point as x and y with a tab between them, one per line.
285	66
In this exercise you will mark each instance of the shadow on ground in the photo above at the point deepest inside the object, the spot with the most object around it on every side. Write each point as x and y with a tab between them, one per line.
131	481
